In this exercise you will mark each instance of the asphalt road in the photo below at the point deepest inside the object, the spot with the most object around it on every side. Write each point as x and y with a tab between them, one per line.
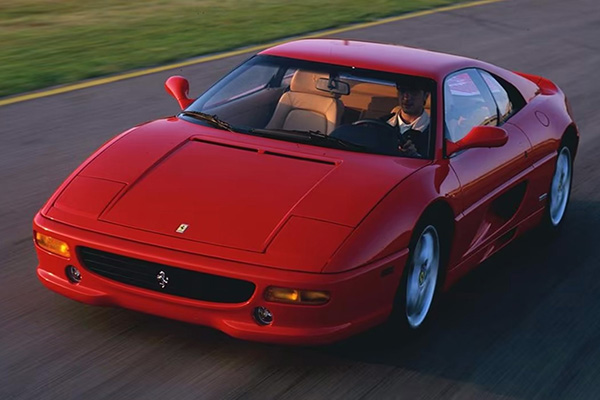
524	325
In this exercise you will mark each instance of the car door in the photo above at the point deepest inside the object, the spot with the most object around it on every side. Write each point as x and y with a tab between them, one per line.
493	180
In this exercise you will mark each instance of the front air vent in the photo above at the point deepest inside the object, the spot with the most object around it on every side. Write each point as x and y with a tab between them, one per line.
166	279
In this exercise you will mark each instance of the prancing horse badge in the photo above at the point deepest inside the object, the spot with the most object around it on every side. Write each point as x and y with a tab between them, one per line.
182	228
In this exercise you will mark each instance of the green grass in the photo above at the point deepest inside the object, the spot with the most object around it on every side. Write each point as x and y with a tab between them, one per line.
50	42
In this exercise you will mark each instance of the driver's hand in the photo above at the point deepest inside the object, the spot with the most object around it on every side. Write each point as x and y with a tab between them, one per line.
408	147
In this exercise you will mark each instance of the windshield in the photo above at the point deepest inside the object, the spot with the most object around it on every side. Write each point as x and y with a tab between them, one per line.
336	106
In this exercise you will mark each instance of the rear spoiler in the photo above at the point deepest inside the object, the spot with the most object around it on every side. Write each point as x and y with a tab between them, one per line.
546	85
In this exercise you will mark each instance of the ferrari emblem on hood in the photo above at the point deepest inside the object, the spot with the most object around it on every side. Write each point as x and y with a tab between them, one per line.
182	228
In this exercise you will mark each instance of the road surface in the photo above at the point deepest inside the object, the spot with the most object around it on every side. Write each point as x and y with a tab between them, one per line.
525	325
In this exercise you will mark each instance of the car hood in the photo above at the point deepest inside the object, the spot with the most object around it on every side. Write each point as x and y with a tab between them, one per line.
181	180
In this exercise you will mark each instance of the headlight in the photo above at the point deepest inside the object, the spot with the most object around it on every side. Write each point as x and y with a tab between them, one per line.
296	296
52	245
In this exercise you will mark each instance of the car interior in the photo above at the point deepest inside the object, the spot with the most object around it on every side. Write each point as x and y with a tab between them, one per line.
292	98
306	103
306	106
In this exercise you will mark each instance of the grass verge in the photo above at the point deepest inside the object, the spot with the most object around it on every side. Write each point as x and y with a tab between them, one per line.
48	42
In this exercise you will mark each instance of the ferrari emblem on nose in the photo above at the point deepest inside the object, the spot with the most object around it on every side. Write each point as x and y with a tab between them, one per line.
162	279
182	228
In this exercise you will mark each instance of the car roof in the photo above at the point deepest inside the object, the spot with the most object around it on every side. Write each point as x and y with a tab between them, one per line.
376	56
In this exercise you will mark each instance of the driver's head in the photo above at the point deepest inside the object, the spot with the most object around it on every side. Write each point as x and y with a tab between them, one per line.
412	99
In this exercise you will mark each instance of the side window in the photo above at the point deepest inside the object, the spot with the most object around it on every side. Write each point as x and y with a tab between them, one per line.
508	98
467	103
500	95
287	77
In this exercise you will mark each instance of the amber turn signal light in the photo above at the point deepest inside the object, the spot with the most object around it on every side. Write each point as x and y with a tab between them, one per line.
296	296
52	245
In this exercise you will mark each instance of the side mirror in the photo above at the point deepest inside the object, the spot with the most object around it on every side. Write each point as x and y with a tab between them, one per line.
179	87
479	136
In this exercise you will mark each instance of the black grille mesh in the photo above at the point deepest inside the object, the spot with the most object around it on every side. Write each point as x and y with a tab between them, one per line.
181	282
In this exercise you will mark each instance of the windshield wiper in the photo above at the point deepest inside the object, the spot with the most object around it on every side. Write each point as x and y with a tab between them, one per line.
212	119
345	143
306	136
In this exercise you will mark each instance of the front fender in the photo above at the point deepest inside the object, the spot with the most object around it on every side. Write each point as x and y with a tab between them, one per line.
388	228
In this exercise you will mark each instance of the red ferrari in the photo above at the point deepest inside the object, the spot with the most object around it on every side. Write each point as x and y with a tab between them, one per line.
316	190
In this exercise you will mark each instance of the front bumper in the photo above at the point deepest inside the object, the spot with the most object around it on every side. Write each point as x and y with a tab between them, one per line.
360	298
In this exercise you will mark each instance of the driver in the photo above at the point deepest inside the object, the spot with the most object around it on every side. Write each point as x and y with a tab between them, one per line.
411	120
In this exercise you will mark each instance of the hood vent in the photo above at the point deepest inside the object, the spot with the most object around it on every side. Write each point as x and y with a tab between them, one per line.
267	152
296	157
228	145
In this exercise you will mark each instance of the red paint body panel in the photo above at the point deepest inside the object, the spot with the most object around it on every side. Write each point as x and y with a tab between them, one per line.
398	59
145	201
296	215
382	57
216	193
354	306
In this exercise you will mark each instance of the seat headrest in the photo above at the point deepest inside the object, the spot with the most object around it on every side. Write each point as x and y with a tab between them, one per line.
428	103
306	82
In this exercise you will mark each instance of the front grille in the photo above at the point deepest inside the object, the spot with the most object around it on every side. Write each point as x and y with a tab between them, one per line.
181	282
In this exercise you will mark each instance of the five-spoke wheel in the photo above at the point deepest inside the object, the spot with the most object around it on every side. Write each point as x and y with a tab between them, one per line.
560	189
422	276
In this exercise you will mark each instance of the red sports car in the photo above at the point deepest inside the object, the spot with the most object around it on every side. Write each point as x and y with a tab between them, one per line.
316	190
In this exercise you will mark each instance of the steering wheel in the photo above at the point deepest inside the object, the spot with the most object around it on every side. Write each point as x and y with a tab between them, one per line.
372	121
373	134
389	130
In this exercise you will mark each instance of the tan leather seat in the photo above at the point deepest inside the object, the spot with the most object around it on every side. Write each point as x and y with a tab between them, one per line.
374	100
305	107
